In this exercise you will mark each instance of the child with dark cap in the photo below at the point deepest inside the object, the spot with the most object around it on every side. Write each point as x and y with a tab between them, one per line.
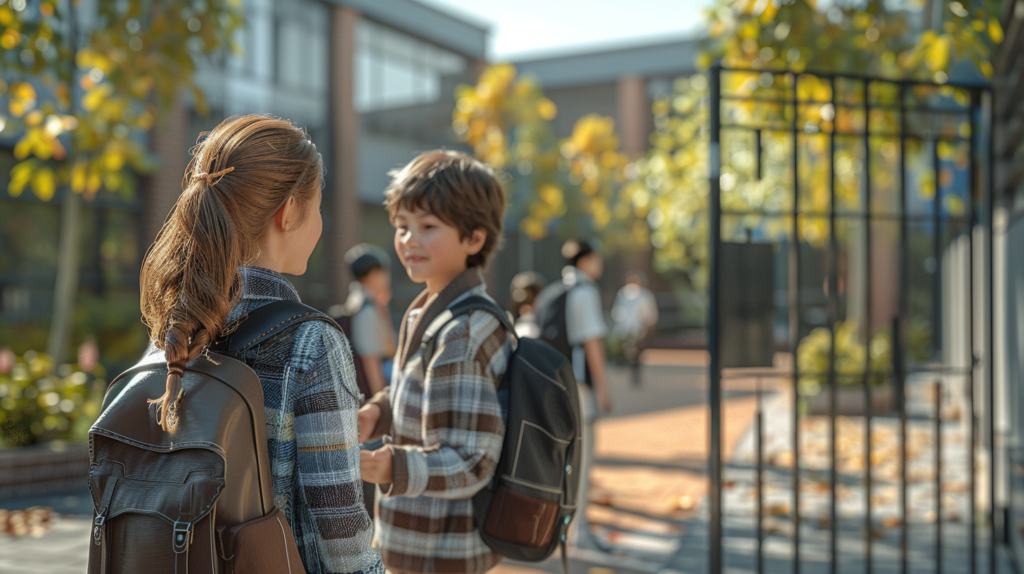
372	336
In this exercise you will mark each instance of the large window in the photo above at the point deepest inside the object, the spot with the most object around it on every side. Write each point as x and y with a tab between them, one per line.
394	69
301	55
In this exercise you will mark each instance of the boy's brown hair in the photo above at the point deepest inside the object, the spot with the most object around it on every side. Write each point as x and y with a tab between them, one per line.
458	190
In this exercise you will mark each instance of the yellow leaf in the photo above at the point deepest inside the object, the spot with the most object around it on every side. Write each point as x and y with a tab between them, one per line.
938	54
995	31
21	174
23	147
78	176
44	183
92	184
547	109
95	97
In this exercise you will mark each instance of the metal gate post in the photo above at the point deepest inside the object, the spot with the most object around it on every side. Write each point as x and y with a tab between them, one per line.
990	339
714	371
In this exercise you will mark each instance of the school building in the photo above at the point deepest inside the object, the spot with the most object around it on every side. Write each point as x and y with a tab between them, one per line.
372	81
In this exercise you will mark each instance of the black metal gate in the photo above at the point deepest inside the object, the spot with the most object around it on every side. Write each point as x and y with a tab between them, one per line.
881	189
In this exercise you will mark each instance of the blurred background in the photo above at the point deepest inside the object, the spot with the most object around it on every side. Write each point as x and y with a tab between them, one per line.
597	117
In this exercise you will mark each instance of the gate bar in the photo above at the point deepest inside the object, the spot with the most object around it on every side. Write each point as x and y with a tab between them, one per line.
759	429
866	330
833	315
971	441
899	348
938	477
861	77
714	376
843	134
794	324
990	366
937	250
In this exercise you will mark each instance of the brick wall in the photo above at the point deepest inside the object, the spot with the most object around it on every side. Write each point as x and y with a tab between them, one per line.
44	469
169	143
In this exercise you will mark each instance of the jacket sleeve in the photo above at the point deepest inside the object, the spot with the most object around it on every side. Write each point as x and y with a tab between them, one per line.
327	439
462	421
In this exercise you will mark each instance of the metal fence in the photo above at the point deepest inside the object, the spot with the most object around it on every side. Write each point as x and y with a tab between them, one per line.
907	134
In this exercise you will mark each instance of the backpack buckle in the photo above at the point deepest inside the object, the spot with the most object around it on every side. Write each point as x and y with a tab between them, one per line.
182	536
97	531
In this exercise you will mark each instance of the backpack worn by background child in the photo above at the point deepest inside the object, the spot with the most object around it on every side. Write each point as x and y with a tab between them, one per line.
525	511
199	500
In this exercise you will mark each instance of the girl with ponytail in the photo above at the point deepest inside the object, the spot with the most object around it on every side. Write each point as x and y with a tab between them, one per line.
249	212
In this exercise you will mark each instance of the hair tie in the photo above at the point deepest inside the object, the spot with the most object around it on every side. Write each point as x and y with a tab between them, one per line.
219	175
176	368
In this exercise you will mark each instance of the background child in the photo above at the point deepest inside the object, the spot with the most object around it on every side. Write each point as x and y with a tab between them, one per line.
635	313
373	337
525	288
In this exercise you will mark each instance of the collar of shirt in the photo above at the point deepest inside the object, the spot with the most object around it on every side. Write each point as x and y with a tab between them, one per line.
259	284
411	335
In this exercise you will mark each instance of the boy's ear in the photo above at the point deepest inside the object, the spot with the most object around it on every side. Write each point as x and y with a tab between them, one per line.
475	242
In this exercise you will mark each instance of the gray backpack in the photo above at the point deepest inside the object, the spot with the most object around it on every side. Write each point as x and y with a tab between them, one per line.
525	511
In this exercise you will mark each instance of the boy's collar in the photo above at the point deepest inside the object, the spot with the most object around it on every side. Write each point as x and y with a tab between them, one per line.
432	306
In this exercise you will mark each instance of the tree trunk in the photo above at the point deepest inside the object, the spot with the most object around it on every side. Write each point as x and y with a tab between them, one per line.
65	292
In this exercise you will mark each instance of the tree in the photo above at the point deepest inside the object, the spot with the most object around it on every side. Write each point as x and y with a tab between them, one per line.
565	183
82	112
670	189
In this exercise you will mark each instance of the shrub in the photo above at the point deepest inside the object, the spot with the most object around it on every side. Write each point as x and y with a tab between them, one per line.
813	355
39	403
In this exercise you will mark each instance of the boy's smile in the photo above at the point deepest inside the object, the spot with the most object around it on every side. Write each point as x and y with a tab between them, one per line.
431	250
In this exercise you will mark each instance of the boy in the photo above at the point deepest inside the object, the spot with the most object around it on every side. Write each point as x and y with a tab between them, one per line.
571	318
443	418
372	335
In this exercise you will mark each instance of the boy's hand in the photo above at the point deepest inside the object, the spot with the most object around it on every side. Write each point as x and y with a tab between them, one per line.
375	466
368	417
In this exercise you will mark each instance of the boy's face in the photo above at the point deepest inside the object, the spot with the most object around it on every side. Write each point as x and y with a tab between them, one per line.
431	250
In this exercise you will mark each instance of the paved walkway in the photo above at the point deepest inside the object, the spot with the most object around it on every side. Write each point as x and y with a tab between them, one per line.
924	512
650	478
649	495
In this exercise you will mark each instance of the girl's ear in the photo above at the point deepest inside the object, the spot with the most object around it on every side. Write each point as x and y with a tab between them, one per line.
285	215
475	242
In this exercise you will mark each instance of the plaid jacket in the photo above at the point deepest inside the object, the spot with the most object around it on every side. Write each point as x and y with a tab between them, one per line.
446	431
311	399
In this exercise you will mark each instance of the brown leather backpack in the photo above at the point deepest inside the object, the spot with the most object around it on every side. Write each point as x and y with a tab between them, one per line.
200	500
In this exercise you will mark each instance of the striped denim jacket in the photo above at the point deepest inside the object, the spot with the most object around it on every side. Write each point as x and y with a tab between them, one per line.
311	400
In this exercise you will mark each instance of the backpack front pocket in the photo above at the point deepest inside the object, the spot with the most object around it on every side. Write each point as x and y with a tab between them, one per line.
520	519
262	545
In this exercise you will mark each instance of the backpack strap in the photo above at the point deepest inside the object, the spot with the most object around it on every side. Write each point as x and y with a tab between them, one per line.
264	322
464	307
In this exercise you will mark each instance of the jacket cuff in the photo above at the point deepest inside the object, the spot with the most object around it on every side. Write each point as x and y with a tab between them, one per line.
383	400
408	472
